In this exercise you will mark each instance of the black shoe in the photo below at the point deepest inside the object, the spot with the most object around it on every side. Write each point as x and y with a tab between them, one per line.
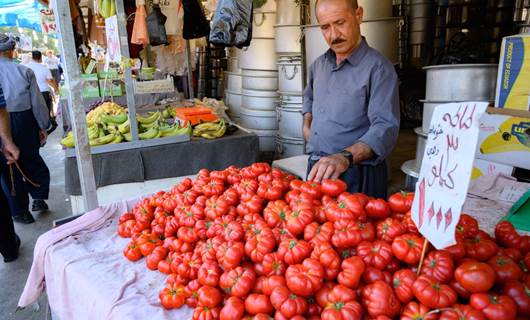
39	205
25	218
14	257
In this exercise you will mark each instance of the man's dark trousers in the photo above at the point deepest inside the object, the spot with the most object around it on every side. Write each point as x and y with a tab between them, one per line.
25	132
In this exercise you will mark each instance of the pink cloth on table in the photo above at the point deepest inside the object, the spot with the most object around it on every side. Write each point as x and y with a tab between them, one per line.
86	276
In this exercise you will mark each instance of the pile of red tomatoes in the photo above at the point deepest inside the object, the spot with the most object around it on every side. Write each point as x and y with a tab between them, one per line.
256	243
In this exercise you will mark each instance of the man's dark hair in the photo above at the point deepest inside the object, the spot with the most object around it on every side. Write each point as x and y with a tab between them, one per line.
36	55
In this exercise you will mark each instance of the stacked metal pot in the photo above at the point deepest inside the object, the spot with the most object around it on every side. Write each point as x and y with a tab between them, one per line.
448	84
259	76
289	141
379	27
233	86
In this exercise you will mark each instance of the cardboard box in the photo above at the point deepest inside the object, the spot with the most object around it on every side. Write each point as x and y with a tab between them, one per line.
505	138
513	79
110	84
90	86
483	167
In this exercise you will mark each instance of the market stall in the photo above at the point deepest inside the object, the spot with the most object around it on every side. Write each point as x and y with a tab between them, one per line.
225	236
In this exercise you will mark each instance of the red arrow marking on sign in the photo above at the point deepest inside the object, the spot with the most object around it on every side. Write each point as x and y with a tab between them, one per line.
431	213
439	217
448	219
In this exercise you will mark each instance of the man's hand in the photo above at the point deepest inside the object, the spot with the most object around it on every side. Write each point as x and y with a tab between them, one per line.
43	135
330	167
11	152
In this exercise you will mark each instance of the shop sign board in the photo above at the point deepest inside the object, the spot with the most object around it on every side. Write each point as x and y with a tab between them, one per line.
113	40
47	20
446	170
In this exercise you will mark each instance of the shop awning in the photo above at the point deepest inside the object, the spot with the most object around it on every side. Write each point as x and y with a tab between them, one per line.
21	13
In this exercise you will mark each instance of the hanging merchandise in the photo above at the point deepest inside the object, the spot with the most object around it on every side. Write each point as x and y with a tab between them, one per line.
107	8
139	34
232	23
173	23
155	27
195	23
97	31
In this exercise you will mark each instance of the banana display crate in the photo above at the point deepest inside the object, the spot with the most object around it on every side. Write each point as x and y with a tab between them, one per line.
504	137
109	130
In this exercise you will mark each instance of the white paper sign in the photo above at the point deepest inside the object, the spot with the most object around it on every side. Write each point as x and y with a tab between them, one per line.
47	20
113	40
446	170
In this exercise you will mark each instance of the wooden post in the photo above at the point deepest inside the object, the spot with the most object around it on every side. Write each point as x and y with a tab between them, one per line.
75	104
129	85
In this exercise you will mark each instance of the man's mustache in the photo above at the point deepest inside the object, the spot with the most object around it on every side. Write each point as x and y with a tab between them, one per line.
337	41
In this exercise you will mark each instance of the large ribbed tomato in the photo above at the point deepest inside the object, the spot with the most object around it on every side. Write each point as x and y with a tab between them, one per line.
475	276
238	282
432	293
494	306
288	303
520	293
314	232
379	300
402	282
328	258
352	269
439	265
341	304
305	279
375	254
408	248
294	251
461	312
273	264
417	311
505	269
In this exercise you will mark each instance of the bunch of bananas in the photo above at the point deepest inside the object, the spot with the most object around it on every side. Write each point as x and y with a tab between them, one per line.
108	128
106	108
210	130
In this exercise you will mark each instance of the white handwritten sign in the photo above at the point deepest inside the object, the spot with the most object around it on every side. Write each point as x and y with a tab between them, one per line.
113	40
47	20
446	170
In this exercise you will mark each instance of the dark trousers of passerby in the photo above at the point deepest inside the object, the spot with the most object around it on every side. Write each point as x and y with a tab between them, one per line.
49	103
8	243
56	74
25	132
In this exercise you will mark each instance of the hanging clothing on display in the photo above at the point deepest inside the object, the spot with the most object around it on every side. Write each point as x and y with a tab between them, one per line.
156	27
232	23
195	23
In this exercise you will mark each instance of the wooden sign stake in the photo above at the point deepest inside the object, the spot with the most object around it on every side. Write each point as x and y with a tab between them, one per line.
423	251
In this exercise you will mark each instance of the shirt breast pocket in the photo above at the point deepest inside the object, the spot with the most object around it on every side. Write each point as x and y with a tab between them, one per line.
349	110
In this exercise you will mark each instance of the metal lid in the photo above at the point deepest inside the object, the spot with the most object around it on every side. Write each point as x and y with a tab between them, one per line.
419	132
258	113
465	65
259	93
290	140
410	168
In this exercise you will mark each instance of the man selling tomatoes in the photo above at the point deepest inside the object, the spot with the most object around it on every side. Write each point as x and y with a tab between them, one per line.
351	104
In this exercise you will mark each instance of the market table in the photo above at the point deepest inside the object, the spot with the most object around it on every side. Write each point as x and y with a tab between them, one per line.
165	161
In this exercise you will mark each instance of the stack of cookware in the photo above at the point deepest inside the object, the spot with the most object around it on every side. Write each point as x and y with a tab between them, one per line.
449	84
260	78
289	141
379	27
216	72
202	73
233	86
522	15
420	15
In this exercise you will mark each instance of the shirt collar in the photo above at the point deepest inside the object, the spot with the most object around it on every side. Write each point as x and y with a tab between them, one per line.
354	58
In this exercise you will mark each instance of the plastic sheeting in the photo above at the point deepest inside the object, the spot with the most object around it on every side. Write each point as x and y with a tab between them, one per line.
232	23
21	13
